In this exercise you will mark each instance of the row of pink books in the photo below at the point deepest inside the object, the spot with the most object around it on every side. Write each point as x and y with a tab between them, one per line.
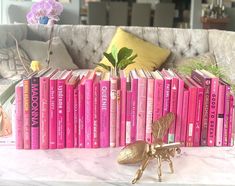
64	109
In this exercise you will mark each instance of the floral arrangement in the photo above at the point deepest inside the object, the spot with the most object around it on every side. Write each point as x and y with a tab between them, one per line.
45	12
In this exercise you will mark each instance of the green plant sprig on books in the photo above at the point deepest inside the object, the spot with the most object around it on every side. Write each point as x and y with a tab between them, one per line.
118	60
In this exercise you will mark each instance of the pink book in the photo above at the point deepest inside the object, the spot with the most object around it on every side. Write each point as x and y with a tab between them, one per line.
199	108
113	110
230	125
53	110
75	113
44	108
213	108
180	97
19	119
61	108
184	121
158	95
123	108
89	109
118	119
149	107
128	116
69	98
104	110
134	90
192	113
226	113
220	116
96	113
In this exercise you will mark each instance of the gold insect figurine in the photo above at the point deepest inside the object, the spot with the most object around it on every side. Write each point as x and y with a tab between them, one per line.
141	151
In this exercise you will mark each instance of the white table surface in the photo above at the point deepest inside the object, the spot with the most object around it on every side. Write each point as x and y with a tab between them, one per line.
194	166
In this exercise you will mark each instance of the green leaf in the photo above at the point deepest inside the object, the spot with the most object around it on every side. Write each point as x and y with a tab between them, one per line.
124	53
106	67
110	58
133	57
124	63
114	52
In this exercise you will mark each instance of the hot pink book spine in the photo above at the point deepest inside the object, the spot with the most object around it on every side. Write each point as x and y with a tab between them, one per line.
88	112
141	109
158	99
230	126
19	118
134	90
226	115
179	118
75	113
213	111
173	107
69	116
198	119
53	114
61	113
113	111
149	109
26	114
220	116
191	116
118	119
184	120
44	112
104	113
123	111
96	115
81	115
128	117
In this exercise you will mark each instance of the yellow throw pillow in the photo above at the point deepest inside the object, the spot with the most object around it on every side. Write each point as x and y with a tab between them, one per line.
149	56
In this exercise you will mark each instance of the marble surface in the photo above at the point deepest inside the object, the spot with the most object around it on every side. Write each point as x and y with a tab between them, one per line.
88	167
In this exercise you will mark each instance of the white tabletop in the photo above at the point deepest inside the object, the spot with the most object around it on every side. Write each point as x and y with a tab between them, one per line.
195	166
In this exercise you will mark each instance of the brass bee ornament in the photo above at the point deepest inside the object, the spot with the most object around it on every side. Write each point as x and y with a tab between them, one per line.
142	152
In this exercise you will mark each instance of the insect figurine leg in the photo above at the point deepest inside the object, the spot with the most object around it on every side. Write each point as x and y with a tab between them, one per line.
159	169
170	165
140	171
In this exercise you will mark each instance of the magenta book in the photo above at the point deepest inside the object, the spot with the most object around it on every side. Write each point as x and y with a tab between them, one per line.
96	113
44	108
220	116
213	108
128	116
230	124
75	114
205	82
118	119
104	110
61	109
19	119
89	109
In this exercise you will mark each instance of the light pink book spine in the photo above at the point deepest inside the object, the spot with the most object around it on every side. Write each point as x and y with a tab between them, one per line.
226	115
149	109
158	99
96	114
178	124
19	118
198	119
141	109
213	111
53	114
113	111
184	120
128	116
104	113
173	107
44	112
134	90
69	135
230	126
81	115
118	119
220	116
75	113
123	111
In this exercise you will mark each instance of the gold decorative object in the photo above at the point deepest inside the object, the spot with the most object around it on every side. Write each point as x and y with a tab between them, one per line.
141	151
5	123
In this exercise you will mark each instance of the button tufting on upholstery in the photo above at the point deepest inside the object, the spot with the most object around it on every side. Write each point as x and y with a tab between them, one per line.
189	45
94	51
174	44
196	53
182	53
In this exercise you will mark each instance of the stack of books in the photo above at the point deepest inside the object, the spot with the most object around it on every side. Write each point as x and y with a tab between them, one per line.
63	109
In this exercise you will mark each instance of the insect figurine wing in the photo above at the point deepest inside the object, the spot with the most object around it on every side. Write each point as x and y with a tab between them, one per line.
160	127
